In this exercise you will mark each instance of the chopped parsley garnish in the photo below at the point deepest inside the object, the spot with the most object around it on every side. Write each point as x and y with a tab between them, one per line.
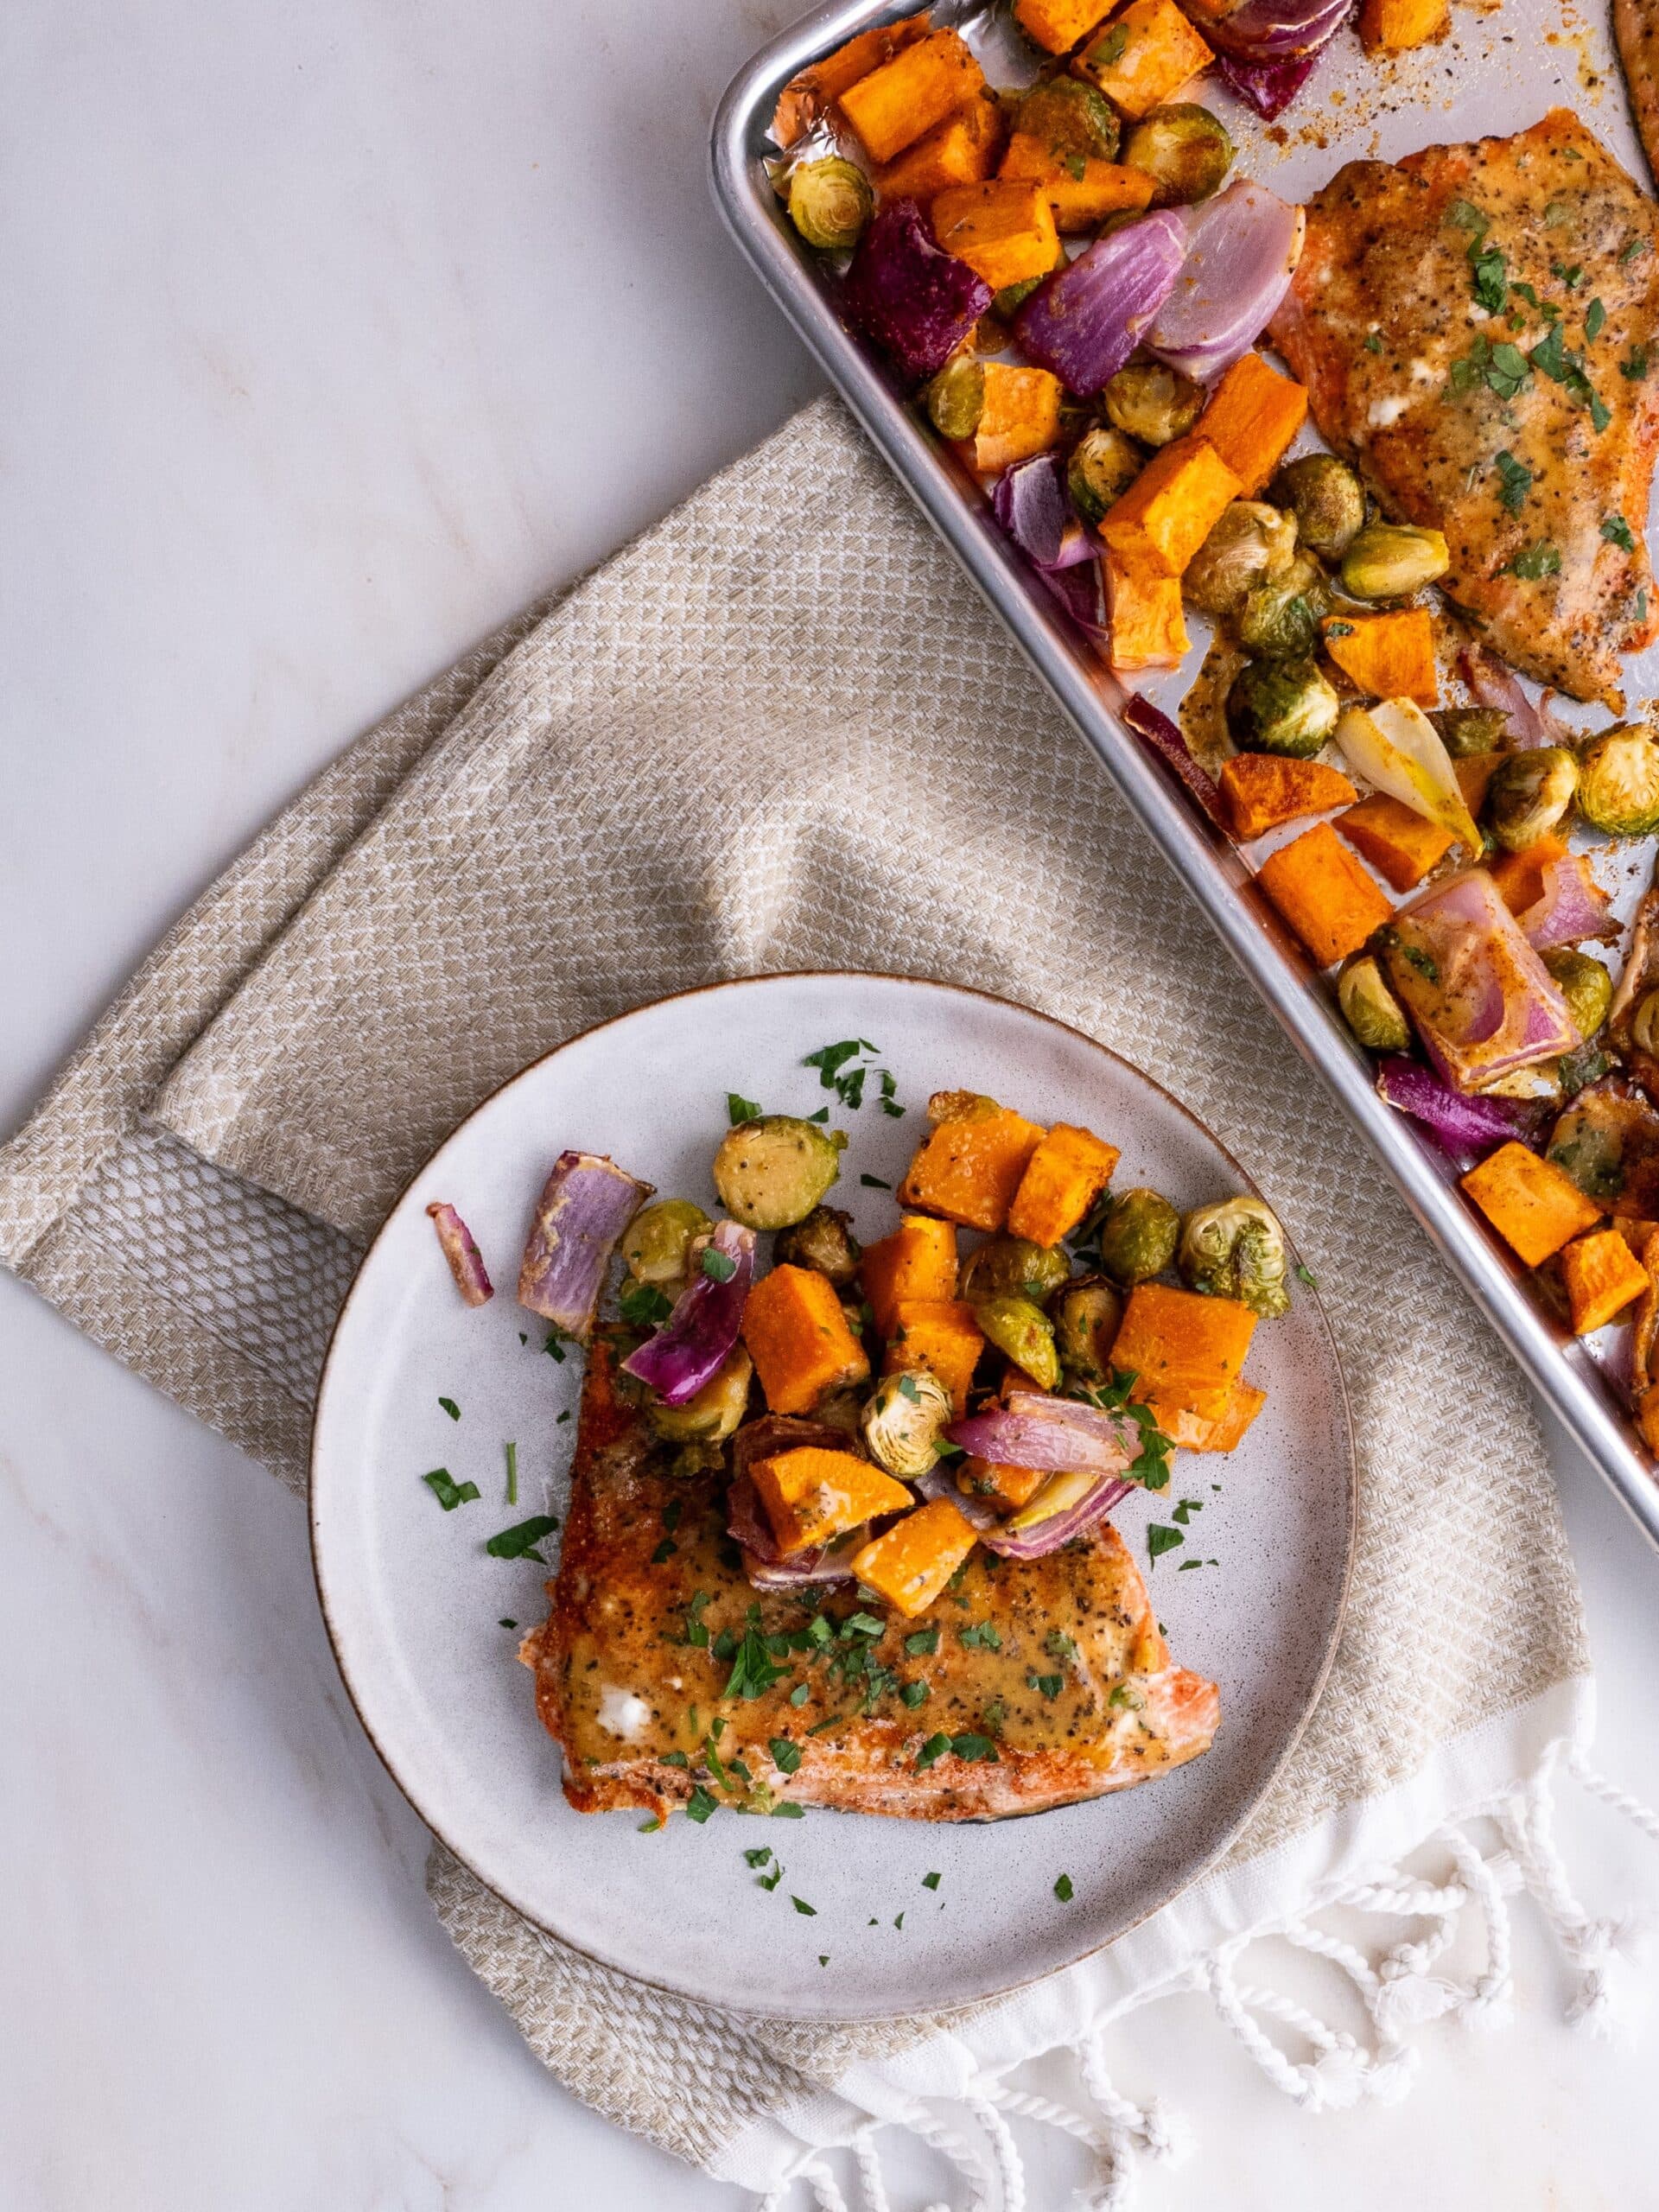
974	1747
506	1623
786	1756
449	1494
1306	1275
696	1629
674	1758
787	1809
771	1881
760	1857
914	1694
1463	215
1490	278
1374	344
520	1542
907	1389
1059	1645
565	1415
1634	367
874	1183
801	1905
823	1115
830	1059
983	1635
740	1109
1617	531
450	1408
643	1305
930	1881
899	1920
861	1625
934	1748
1161	1538
1551	357
663	1552
554	1348
800	1693
1063	1888
1426	966
700	1804
719	1266
1186	1509
513	1474
1595	317
1050	1685
889	1095
923	1642
1629	250
1515	481
752	1672
1535	561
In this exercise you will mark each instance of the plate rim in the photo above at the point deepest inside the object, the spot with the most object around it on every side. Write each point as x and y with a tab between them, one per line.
1192	1876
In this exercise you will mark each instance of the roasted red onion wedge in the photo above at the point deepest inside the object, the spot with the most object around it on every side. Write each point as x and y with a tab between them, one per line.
1089	316
466	1261
1061	1434
1031	504
1569	909
586	1204
695	1342
1468	1128
1278	30
1483	1001
1085	1503
1242	249
1160	735
1266	87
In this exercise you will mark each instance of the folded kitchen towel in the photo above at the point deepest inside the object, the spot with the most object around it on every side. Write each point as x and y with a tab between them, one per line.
781	731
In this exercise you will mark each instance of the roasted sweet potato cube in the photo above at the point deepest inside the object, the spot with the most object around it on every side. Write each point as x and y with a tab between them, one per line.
941	1335
1062	1179
1191	1432
800	1340
1156	526
1260	790
805	98
1185	1348
1392	26
1474	773
1602	1277
1021	417
1387	656
900	102
963	150
968	1167
1003	230
810	1495
1056	25
1144	56
994	1478
1520	876
919	1260
1401	844
1253	415
1083	190
1148	623
1534	1208
912	1563
1323	893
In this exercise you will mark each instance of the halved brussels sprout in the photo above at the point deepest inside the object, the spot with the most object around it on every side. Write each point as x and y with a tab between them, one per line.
956	397
1280	615
1020	1327
1138	1238
903	1420
1387	559
1584	984
1147	400
1619	782
715	1414
1184	148
1013	1267
1252	544
1068	116
657	1244
824	1242
1086	1315
1281	706
829	203
1104	465
1529	794
1236	1250
1464	731
1371	1009
1644	1025
1327	500
770	1172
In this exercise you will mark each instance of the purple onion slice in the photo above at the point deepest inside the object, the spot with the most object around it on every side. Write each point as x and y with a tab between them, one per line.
466	1261
1267	87
1242	249
696	1341
1089	316
917	301
1060	1435
1468	1128
1278	30
1038	1538
1030	502
1160	735
586	1204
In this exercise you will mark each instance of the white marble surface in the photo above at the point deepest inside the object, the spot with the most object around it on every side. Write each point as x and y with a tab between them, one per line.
332	333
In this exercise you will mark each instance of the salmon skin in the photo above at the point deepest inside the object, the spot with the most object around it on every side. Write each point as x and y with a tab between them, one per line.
667	1679
1475	325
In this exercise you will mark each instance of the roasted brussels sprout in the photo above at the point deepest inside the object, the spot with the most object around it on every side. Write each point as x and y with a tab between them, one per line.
1067	116
1279	617
1370	1007
902	1421
1236	1250
824	1242
716	1413
956	397
1644	1025
1086	1315
1104	465
658	1241
829	203
1013	1267
1464	731
1138	1238
1327	500
1153	403
770	1172
1281	706
1529	794
1619	782
1388	560
1184	150
1584	984
1252	544
1020	1327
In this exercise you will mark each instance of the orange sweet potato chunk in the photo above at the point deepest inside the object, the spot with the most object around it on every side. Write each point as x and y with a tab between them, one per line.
1191	1432
1144	56
1602	1277
912	1563
810	1495
1520	876
1187	1349
1021	417
1083	190
1003	229
898	103
1159	524
1387	656
1392	26
1323	893
805	98
1148	622
1056	25
1401	844
1251	419
963	150
970	1166
1474	773
1531	1203
1012	1487
941	1335
1062	1179
919	1260
800	1340
1260	790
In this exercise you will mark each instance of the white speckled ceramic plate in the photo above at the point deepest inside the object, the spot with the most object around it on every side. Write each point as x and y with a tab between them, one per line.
426	1622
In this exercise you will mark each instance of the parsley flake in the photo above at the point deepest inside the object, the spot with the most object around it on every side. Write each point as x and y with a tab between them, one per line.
450	1408
513	1474
700	1804
1062	1889
874	1183
1161	1538
1617	531
1534	561
643	1305
719	1266
922	1643
801	1905
787	1809
786	1756
930	1881
520	1541
449	1493
1595	317
1050	1685
740	1110
1515	481
983	1635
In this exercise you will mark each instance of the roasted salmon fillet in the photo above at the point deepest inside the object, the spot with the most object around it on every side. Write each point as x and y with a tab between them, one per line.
668	1680
1475	325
